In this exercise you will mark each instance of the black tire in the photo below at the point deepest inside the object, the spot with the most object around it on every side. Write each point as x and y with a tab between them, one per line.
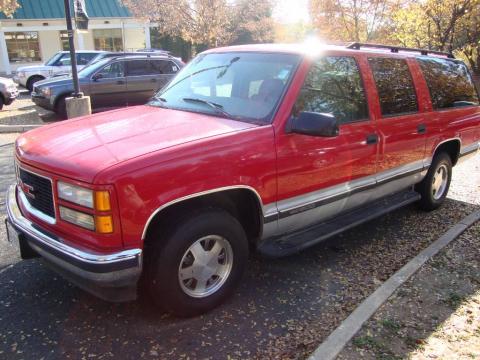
61	108
168	249
32	80
430	199
1	103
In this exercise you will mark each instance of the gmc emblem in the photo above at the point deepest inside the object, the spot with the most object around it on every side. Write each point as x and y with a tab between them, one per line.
27	189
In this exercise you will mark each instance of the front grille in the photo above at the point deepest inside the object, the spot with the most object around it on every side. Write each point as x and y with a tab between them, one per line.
38	191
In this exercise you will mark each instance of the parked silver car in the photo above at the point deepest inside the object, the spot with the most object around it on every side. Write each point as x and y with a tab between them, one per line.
8	92
59	64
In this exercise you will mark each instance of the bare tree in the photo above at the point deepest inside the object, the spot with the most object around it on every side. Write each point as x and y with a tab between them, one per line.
352	20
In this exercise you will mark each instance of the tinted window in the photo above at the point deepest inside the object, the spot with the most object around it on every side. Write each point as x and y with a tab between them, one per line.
449	83
334	86
394	85
113	70
164	67
139	68
85	58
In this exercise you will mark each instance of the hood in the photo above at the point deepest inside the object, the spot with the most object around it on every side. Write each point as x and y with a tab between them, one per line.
83	147
35	68
59	81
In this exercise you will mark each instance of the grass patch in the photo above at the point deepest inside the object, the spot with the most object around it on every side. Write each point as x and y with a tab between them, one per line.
391	325
368	342
454	300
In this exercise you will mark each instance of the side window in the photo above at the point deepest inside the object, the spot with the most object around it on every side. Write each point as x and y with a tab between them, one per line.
164	67
85	58
334	86
449	83
394	85
139	68
113	70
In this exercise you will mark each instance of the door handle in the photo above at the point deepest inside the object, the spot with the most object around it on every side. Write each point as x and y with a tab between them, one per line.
372	139
120	82
153	80
421	129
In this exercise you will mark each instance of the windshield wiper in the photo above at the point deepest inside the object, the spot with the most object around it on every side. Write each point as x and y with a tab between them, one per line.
160	100
217	107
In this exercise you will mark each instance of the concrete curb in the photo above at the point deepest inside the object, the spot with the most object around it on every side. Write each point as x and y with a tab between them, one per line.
5	129
337	340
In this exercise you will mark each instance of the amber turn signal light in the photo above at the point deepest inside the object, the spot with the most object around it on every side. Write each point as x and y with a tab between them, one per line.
102	201
104	224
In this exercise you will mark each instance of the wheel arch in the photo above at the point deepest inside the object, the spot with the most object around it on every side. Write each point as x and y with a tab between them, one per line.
451	146
226	198
60	96
34	76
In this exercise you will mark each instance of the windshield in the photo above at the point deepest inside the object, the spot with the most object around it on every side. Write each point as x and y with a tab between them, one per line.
241	86
54	59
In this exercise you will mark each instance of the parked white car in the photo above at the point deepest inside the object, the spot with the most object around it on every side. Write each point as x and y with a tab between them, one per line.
58	65
8	92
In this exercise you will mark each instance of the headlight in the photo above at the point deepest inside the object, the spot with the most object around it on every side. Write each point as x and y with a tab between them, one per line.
75	194
46	91
78	218
21	73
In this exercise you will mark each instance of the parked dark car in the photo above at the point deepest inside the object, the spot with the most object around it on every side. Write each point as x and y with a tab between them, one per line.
111	82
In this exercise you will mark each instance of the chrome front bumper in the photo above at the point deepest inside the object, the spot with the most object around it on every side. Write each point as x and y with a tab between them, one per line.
112	277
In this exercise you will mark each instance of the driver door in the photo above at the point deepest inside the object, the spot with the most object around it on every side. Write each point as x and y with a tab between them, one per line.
108	87
319	177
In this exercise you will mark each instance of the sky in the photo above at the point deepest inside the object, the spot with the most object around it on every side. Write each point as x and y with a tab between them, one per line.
291	11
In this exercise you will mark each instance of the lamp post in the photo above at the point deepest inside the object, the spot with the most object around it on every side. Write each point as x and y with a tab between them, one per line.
73	58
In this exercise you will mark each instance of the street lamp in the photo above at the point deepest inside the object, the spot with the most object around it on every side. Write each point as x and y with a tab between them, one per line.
73	58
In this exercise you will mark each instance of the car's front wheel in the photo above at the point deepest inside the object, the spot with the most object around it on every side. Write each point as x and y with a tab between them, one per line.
196	265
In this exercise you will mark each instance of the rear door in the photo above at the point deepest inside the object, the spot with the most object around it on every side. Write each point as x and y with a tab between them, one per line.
401	124
164	70
142	81
108	86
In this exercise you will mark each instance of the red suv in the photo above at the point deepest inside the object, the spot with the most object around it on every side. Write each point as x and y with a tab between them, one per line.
268	148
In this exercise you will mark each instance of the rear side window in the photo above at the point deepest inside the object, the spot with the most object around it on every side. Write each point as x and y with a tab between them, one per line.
334	86
164	67
449	83
394	85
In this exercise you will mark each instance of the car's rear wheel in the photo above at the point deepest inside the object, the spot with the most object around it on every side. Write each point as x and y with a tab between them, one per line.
32	80
197	264
434	187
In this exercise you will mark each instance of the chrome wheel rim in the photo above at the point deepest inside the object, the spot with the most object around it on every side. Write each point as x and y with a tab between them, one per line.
439	182
205	266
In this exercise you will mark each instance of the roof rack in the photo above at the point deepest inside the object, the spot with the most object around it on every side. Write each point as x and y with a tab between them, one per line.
395	49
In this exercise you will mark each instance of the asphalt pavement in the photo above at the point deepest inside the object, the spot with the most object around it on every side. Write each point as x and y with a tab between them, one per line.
283	309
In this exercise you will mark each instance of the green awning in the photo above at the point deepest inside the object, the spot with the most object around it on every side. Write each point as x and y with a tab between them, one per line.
54	9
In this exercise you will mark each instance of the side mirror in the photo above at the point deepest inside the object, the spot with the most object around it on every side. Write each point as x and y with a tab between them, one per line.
97	76
315	124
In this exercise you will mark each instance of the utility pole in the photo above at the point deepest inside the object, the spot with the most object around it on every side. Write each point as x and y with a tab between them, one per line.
78	105
73	57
